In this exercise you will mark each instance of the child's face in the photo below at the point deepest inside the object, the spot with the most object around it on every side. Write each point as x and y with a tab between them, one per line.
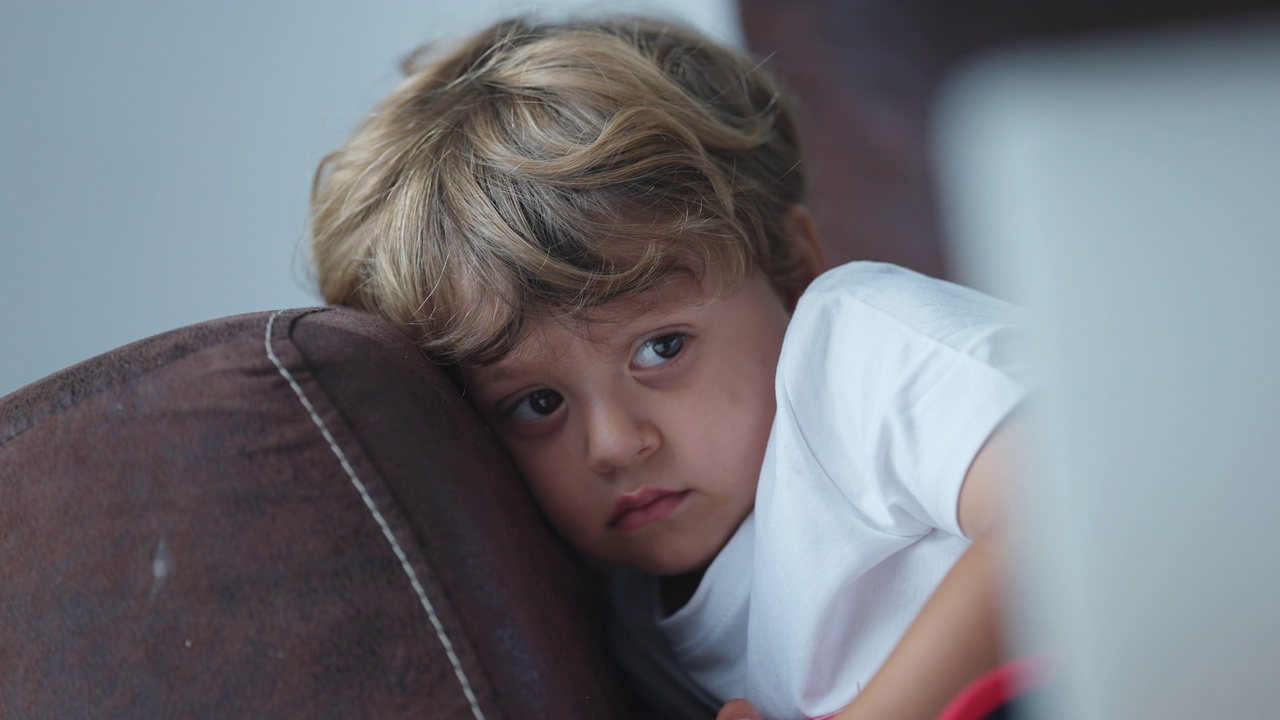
641	433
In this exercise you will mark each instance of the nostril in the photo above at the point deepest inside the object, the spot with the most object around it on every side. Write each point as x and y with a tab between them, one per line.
649	441
618	432
619	445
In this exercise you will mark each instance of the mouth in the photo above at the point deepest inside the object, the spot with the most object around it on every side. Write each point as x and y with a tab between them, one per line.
643	506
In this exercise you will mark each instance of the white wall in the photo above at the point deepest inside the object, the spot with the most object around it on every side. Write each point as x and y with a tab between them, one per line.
155	158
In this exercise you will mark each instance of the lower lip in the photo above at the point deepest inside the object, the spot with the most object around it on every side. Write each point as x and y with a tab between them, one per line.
637	518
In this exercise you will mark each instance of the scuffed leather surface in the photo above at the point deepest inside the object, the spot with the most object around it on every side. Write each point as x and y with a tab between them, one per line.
178	539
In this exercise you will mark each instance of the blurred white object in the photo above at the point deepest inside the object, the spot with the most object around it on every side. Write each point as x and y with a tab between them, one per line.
1127	191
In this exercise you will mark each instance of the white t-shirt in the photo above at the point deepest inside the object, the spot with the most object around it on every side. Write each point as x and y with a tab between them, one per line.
888	384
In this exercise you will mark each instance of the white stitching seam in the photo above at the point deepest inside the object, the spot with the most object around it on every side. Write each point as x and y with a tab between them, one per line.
382	523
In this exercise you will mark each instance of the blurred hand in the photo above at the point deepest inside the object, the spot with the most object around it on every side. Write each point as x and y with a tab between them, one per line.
738	710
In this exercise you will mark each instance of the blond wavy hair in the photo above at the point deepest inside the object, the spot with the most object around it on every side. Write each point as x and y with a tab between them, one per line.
543	169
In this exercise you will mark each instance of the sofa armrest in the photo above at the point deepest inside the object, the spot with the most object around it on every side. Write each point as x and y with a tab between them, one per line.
281	514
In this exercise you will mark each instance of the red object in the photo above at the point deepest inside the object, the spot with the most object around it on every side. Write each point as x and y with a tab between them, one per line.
992	690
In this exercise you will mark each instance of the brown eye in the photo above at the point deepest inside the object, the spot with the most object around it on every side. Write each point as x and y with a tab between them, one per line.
544	402
659	350
537	404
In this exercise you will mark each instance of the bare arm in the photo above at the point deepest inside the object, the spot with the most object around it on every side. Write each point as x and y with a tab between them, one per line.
954	640
956	637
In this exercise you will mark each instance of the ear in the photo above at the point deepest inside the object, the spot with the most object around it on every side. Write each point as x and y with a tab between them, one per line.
802	234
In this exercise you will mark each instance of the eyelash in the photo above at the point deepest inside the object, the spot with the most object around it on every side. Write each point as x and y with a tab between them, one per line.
678	339
518	410
528	399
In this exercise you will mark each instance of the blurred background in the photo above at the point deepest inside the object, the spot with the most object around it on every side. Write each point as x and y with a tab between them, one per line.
156	158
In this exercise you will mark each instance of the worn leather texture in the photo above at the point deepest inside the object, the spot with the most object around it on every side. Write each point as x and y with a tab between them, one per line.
307	521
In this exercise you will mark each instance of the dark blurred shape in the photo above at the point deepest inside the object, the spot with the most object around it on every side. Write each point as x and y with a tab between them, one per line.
865	73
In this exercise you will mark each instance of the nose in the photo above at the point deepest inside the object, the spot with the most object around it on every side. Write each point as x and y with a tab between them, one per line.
618	435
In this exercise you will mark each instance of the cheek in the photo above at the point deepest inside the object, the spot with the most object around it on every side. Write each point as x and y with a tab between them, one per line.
747	388
756	432
544	479
556	488
734	421
744	413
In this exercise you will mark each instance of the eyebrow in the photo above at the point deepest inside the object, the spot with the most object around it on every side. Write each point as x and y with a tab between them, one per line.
493	375
635	322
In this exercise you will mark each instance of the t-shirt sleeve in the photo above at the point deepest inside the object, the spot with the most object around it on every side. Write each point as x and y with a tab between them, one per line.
896	380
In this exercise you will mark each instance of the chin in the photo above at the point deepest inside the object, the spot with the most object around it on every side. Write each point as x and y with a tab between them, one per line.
677	567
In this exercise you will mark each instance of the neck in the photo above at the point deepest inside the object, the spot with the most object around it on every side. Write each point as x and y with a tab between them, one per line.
675	590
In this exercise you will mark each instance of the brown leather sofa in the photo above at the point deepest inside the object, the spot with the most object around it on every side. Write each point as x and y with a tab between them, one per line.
287	514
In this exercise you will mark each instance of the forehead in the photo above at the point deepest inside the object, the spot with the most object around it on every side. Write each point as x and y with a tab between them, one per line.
610	327
675	292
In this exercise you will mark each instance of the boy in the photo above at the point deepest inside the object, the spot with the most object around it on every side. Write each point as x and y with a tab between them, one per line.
600	224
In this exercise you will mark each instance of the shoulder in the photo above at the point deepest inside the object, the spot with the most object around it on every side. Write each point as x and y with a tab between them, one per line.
892	381
897	292
874	310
